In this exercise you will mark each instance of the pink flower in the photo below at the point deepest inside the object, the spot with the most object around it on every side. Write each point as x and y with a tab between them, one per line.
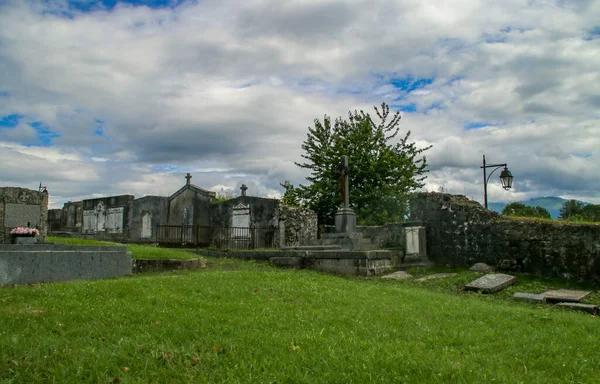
24	231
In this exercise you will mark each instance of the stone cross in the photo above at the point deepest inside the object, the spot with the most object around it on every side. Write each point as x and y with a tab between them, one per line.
244	188
187	179
23	197
343	171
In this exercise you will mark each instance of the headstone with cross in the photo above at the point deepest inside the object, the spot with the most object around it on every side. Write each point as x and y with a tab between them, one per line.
188	177
345	218
243	188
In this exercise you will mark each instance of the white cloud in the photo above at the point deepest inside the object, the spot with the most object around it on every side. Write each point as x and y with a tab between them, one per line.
226	91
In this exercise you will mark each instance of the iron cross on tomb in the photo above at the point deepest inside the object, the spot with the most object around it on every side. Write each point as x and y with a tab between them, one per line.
188	178
244	188
342	171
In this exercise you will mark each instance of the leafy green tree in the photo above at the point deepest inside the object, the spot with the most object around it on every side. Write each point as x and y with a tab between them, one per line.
522	210
591	212
290	196
384	169
570	209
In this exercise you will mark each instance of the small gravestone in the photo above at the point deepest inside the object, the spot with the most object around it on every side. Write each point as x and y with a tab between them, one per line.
436	276
531	297
589	308
566	295
400	275
491	283
481	267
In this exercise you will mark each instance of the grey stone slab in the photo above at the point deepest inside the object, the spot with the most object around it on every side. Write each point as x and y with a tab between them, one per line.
531	297
566	295
481	267
399	275
589	308
436	276
491	283
18	215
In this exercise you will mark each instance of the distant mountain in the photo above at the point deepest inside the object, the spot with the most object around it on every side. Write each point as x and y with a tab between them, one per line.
551	203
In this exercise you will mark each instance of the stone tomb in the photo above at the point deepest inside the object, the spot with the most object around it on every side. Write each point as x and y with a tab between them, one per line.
565	295
491	283
22	207
106	215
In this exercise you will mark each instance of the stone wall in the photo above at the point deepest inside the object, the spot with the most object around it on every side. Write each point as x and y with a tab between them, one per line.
297	226
460	232
72	215
54	219
144	214
22	207
107	215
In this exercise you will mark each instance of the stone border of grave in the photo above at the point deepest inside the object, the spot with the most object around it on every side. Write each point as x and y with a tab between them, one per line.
358	263
164	265
48	263
561	298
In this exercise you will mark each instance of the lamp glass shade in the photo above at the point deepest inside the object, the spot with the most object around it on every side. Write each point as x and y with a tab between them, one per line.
506	178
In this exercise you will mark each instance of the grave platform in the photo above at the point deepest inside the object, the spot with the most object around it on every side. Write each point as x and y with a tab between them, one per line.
46	263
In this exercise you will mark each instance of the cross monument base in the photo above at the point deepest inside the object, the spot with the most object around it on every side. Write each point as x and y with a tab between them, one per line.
345	221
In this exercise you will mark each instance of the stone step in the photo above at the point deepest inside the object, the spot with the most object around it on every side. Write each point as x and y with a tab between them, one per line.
589	308
331	247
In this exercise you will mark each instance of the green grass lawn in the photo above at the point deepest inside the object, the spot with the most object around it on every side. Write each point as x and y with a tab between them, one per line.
248	322
138	251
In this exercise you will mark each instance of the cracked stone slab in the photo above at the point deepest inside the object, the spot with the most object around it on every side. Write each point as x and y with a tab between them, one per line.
566	295
400	275
491	283
589	308
531	297
481	267
435	276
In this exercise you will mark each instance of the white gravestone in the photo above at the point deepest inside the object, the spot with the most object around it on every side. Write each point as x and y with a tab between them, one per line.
147	225
240	218
415	245
412	240
18	215
114	220
101	220
90	219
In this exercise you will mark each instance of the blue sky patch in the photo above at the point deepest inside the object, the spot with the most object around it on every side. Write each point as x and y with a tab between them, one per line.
476	125
90	6
594	33
99	128
405	108
408	84
583	155
44	134
10	121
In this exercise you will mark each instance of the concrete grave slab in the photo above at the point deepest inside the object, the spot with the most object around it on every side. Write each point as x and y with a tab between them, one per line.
491	283
566	295
481	267
589	308
531	297
399	275
436	276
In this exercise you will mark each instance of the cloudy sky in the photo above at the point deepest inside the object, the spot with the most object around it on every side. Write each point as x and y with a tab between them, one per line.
99	98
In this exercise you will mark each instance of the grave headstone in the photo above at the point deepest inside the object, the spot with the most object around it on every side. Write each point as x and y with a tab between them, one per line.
435	276
531	297
481	267
565	295
22	207
400	275
491	283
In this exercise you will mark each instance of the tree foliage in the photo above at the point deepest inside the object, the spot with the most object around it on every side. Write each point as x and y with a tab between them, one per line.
384	168
570	209
522	210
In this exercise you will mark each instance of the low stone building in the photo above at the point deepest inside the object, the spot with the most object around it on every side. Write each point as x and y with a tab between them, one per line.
189	216
22	207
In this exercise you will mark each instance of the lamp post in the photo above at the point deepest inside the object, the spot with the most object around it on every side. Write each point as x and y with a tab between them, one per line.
506	178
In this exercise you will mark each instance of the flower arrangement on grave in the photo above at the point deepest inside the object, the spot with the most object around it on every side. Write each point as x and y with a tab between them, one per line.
24	232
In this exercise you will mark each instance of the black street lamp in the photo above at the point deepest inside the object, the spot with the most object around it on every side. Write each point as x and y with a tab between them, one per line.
506	178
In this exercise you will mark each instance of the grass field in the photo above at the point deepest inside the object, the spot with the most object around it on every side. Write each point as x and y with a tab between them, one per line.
248	322
137	251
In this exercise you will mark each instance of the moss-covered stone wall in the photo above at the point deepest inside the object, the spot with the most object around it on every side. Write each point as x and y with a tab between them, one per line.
460	232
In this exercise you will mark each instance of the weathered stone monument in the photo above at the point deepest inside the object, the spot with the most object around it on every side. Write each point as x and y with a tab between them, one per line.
345	218
22	207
